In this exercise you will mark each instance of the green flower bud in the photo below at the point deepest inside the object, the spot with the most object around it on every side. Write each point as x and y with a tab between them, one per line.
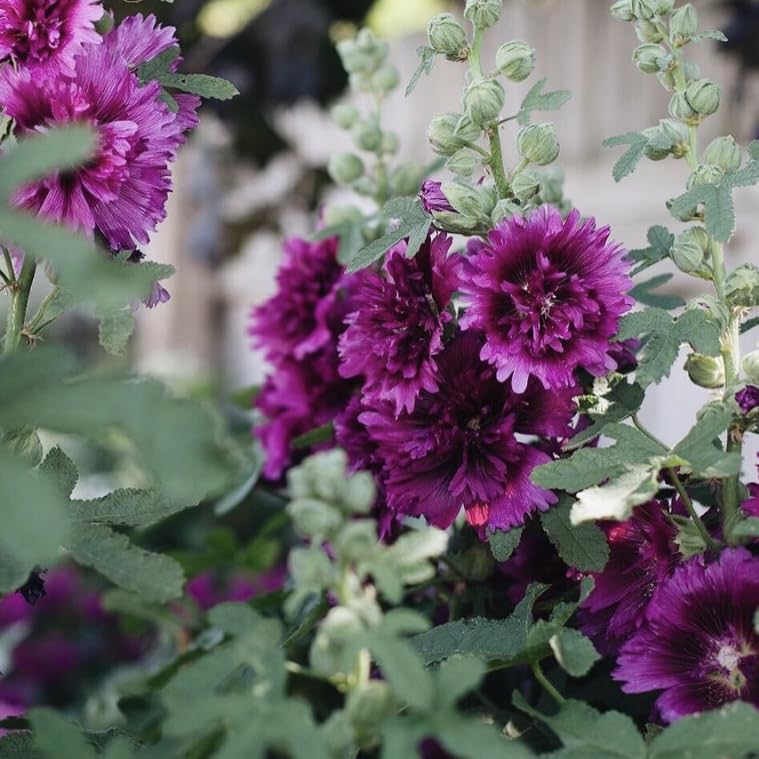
683	25
386	79
345	115
504	209
368	707
644	10
551	184
310	567
345	168
354	60
483	14
450	132
537	143
331	650
312	517
357	540
705	174
447	37
680	108
463	162
483	101
515	60
703	96
336	215
659	145
367	135
649	57
406	178
390	144
647	31
369	44
526	186
476	562
677	134
467	200
358	493
751	366
622	10
705	371
663	7
365	186
723	152
742	286
691	250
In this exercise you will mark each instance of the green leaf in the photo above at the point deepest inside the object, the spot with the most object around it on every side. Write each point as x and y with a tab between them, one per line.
128	508
459	675
155	67
152	576
730	733
749	324
701	448
61	468
660	243
503	544
237	495
57	738
574	652
746	528
18	745
629	160
537	100
313	437
709	34
426	60
115	329
200	84
583	547
643	293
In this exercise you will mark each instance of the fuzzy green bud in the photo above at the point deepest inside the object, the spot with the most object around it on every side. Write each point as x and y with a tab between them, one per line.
751	366
742	286
483	14
345	115
385	79
331	651
312	517
467	200
447	37
658	146
406	178
683	25
691	250
622	10
450	132
310	567
483	101
345	168
704	174
538	143
703	96
644	10
337	215
723	152
664	7
525	186
504	209
677	134
354	60
647	31
680	108
390	144
705	371
367	42
368	707
367	135
357	540
463	162
515	60
649	58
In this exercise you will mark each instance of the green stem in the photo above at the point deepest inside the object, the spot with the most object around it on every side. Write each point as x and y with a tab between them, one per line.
475	66
19	301
11	272
548	686
709	541
496	164
650	435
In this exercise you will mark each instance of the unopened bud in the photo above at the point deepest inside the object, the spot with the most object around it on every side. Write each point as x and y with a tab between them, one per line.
704	174
742	286
386	79
649	58
691	250
622	10
467	200
723	152
345	115
463	162
450	132
406	178
345	168
663	7
658	146
644	10
751	366
683	25
504	209
357	540
680	108
703	96
368	707
677	134
525	186
391	143
515	60
367	135
538	144
447	36
483	14
647	31
483	100
705	371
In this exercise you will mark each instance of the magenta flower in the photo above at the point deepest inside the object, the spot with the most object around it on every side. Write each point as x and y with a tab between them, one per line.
433	198
548	295
35	33
643	554
459	446
698	645
748	398
751	504
396	332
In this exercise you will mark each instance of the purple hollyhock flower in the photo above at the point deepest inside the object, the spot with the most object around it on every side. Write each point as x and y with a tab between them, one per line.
397	330
625	355
35	33
751	504
459	446
698	645
122	191
748	398
642	555
433	198
548	295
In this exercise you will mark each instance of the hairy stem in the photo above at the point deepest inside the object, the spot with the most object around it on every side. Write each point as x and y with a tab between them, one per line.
496	164
547	685
19	301
709	541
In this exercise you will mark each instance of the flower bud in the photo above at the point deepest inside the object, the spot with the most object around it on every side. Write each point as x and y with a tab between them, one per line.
742	286
367	135
537	143
386	79
406	178
483	14
504	209
680	108
703	96
390	143
450	132
345	168
310	567
345	115
525	186
658	146
691	250
644	10
683	25
463	162
723	152
331	652
705	371
337	215
677	134
467	200
704	174
647	31
354	60
357	540
483	101
751	366
515	60
447	36
649	57
368	707
663	7
312	517
622	10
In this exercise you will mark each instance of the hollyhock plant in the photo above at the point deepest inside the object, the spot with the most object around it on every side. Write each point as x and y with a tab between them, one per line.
698	645
433	198
548	294
748	398
396	332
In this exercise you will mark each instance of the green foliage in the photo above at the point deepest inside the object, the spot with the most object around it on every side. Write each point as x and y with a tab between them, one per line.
115	329
426	60
629	160
643	293
660	243
583	547
503	544
537	100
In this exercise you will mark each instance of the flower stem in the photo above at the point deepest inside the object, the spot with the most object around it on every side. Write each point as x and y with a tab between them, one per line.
548	686
709	541
19	301
496	164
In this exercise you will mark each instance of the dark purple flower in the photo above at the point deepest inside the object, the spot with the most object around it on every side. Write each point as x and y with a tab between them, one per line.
548	295
625	355
208	589
433	198
748	398
642	554
751	504
459	446
36	33
698	645
396	332
353	437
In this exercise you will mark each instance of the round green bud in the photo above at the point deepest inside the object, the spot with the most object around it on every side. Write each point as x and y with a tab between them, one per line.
526	186
751	366
483	101
644	10
691	250
345	168
406	178
331	652
677	134
703	96
336	215
742	286
310	567
465	199
705	174
447	37
391	143
365	186
368	707
538	143
504	209
658	146
483	14
622	10
357	540
515	60
683	25
649	58
367	135
313	517
476	562
663	7
680	108
705	371
723	152
345	115
354	60
647	31
386	79
463	162
450	132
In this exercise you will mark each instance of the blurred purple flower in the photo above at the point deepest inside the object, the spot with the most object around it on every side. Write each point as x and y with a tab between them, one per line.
748	398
